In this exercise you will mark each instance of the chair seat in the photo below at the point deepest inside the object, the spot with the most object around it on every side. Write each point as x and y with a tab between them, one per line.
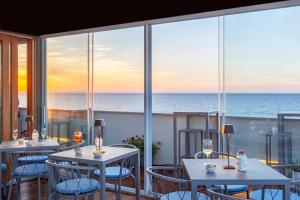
33	159
31	170
272	194
182	195
114	172
234	188
77	186
3	166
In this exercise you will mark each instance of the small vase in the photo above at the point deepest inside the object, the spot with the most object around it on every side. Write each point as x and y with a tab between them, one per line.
241	162
35	136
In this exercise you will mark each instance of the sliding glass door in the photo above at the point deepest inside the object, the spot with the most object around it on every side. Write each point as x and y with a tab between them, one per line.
262	83
67	86
118	86
185	82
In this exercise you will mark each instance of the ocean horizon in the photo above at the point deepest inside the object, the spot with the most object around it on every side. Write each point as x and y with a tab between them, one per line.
236	104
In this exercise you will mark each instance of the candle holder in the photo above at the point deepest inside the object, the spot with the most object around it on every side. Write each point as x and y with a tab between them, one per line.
99	125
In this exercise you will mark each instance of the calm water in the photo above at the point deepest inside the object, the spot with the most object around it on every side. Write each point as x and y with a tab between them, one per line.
260	105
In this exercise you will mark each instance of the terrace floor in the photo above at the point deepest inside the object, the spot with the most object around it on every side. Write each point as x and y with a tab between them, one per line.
29	191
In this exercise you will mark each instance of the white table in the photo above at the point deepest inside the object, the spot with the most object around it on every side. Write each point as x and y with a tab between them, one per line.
13	146
257	174
111	155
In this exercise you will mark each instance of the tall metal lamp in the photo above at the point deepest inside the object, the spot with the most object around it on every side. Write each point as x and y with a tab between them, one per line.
228	129
99	125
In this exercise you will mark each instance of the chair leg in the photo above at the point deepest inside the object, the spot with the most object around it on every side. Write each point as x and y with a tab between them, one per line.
39	188
18	188
10	188
119	188
248	194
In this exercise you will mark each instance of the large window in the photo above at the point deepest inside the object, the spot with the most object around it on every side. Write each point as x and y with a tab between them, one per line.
261	80
118	86
67	85
243	66
185	79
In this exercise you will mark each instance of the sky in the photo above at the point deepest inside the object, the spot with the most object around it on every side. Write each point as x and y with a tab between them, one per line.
22	68
261	54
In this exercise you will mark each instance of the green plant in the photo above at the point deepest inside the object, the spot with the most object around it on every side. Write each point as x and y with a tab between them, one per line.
295	168
138	141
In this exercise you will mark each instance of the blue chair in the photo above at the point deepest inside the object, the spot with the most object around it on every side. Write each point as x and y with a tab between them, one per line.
272	193
26	169
213	195
3	166
81	183
119	170
225	189
168	183
42	158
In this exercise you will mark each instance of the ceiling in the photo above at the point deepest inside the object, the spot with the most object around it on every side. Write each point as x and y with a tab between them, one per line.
46	17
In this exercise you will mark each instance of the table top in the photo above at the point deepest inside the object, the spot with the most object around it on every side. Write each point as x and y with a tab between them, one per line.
47	144
111	154
256	173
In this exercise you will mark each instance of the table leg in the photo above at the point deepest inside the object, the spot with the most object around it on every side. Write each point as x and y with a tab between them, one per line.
102	182
1	176
194	191
137	176
287	191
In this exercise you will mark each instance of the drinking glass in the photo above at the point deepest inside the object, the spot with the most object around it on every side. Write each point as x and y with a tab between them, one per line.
43	133
15	134
207	147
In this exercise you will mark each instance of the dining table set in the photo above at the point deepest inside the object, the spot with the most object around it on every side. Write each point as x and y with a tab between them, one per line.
71	171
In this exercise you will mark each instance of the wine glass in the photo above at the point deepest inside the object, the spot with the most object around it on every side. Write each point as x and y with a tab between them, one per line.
43	133
15	134
207	147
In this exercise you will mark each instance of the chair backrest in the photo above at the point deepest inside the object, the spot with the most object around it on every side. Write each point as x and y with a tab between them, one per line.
214	155
74	179
168	182
218	196
123	146
64	146
127	162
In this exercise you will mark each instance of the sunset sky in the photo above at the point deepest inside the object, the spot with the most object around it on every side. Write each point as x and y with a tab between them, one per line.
261	54
22	68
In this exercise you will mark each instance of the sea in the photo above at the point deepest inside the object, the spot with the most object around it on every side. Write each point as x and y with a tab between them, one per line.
232	104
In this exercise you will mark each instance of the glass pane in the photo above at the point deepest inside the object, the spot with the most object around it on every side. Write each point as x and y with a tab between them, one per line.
67	85
22	86
185	79
1	88
262	80
119	84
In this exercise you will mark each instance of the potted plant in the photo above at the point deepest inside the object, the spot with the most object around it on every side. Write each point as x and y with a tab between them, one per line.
138	142
295	169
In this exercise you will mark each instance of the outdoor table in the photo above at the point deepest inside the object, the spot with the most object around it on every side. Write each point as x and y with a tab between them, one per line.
257	174
111	155
13	146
